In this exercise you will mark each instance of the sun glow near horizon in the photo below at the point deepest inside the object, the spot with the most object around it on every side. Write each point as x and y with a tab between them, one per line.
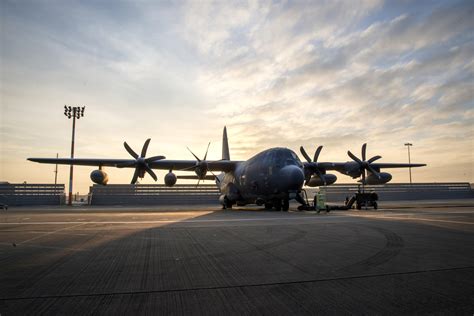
277	74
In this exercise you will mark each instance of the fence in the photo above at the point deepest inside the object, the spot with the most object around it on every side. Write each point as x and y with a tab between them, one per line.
153	194
31	194
402	191
159	194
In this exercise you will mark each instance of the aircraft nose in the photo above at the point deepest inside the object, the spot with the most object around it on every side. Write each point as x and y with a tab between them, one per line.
292	178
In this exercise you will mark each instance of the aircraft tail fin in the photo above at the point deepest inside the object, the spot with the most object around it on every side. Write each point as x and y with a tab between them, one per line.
225	146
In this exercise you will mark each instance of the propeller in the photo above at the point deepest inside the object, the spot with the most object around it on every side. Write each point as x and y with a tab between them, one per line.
201	167
365	164
140	163
313	164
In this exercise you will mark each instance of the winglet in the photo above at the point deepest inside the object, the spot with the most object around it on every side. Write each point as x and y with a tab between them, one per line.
225	146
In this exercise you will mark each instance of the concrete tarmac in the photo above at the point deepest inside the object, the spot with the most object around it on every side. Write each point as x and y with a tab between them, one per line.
401	259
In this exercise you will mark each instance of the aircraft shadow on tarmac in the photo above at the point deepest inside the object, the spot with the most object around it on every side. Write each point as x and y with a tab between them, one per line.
223	261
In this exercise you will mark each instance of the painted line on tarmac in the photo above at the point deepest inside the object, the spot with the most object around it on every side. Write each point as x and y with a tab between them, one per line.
44	247
184	221
413	219
49	233
305	218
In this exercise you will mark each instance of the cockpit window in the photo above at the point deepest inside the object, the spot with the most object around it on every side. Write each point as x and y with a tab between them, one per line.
280	157
287	157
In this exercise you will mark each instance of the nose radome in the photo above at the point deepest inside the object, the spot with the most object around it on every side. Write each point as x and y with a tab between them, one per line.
292	178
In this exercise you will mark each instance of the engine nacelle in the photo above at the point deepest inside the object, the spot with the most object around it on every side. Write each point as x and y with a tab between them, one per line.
384	178
170	179
99	177
316	181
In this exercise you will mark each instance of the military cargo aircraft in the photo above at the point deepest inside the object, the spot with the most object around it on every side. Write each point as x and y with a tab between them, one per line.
272	177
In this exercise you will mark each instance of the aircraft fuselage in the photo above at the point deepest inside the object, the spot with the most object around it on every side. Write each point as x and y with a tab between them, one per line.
273	174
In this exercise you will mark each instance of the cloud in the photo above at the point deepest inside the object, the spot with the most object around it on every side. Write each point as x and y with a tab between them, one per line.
277	73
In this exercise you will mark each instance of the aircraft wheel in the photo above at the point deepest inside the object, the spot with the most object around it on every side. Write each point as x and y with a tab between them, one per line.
286	205
227	203
277	205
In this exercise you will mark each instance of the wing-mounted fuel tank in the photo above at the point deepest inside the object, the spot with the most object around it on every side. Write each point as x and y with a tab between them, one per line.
383	178
317	181
170	179
99	177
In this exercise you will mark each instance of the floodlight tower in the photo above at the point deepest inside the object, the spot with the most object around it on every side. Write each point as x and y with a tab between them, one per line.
74	112
409	160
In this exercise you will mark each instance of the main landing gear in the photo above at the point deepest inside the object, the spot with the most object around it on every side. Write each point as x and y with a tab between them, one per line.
227	204
279	205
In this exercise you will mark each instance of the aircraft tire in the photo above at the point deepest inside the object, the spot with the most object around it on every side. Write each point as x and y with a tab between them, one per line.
277	205
227	203
286	205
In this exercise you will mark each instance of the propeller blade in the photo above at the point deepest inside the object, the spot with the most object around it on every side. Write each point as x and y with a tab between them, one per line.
354	157
217	179
373	171
125	164
205	156
145	147
135	176
151	173
316	153
199	160
364	150
371	160
305	155
154	158
130	150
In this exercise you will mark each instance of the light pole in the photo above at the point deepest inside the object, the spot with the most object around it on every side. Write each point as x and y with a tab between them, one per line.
56	172
74	112
409	160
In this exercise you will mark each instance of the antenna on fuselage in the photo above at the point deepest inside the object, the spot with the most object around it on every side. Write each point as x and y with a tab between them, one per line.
225	146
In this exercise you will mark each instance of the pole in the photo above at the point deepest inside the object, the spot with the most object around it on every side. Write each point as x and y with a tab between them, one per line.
56	175
74	112
72	155
409	159
56	172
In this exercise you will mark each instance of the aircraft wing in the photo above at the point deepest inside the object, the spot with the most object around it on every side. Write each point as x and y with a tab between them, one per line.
187	165
396	165
381	165
177	165
83	161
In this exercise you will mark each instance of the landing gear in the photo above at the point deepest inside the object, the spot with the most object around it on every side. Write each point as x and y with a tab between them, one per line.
277	205
227	204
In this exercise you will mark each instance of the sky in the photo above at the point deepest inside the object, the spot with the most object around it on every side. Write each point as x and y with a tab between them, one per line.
276	73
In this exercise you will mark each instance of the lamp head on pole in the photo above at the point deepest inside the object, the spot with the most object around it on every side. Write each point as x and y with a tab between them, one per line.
67	111
74	111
